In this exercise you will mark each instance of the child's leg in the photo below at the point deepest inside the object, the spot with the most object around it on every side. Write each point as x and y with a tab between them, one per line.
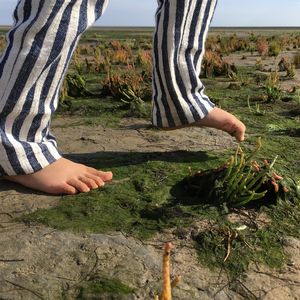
178	98
38	52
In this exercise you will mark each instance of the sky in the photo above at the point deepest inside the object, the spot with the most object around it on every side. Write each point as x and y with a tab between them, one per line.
228	13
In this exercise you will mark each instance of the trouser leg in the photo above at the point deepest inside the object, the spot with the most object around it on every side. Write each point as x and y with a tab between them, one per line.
38	52
179	44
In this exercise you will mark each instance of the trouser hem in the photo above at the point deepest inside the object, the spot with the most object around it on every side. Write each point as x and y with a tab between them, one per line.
190	120
34	167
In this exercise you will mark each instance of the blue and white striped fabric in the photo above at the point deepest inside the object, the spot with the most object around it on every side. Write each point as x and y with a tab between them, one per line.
181	30
38	52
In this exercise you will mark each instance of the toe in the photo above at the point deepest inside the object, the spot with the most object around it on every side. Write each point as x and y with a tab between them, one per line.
89	182
96	179
236	129
79	185
105	176
240	133
240	136
67	189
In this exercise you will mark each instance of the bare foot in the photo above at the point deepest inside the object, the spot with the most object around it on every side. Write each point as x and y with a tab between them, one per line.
221	119
63	177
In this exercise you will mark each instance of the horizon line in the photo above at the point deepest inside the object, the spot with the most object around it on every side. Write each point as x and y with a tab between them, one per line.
152	26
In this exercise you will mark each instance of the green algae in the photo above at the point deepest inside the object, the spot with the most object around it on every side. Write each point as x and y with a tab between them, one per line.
261	246
98	288
143	201
137	202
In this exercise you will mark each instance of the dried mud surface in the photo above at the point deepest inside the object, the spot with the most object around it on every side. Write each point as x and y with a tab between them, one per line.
38	262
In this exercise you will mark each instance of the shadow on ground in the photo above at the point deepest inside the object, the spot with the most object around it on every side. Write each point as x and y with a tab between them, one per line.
121	159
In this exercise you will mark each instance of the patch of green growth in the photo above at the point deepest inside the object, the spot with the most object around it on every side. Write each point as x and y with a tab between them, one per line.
278	124
285	217
261	246
106	112
286	147
227	98
242	180
137	107
98	288
145	198
225	246
252	243
137	202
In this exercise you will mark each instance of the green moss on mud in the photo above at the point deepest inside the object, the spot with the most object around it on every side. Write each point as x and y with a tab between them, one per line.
101	288
107	112
144	199
137	202
261	246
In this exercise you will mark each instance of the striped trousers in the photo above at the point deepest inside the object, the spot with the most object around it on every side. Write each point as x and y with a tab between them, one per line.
40	46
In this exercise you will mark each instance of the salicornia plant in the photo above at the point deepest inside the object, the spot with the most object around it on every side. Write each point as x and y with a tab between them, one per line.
239	181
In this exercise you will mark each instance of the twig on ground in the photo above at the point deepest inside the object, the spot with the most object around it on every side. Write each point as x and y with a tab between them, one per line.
277	287
64	278
7	214
88	274
222	288
50	232
247	290
11	260
26	289
277	277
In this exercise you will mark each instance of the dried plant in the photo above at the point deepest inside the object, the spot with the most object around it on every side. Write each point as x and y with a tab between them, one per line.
115	45
243	79
121	56
262	47
123	80
144	58
296	60
2	42
285	66
284	41
256	110
214	65
290	70
78	62
136	105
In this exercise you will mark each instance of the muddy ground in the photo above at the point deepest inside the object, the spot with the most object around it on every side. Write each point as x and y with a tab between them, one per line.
38	262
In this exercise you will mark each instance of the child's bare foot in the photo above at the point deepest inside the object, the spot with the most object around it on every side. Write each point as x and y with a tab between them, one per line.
221	119
63	177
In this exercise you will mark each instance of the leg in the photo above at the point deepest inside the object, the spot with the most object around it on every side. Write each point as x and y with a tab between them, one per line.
38	52
179	44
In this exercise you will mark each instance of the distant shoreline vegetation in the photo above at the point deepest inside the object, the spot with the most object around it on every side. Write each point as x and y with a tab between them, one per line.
214	30
212	27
